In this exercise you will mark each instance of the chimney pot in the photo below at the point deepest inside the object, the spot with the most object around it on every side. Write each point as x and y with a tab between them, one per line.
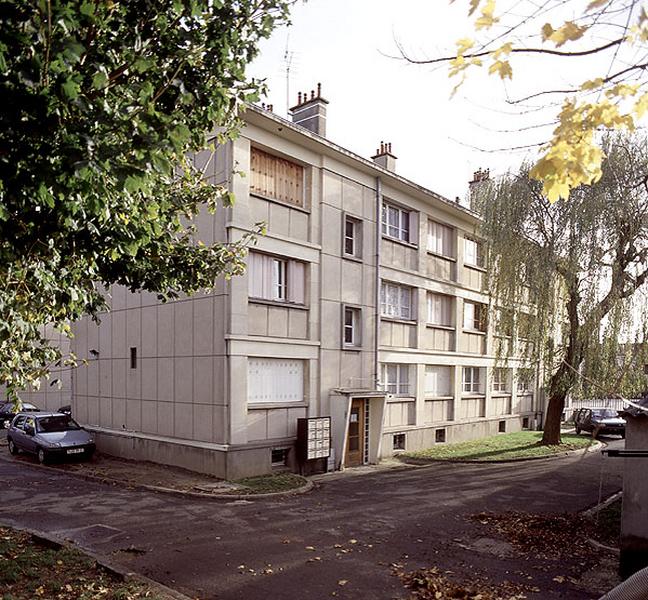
310	111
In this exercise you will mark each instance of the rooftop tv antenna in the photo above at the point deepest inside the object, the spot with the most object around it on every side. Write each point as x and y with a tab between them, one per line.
288	60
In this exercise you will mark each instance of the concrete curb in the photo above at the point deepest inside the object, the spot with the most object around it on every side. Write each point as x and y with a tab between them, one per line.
307	487
52	541
428	461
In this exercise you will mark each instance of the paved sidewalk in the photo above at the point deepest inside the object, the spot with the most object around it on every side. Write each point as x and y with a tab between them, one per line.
352	529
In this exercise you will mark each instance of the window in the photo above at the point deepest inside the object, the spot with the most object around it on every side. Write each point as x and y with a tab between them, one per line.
399	441
440	239
440	436
439	309
524	381
276	178
396	222
473	253
396	379
352	237
471	382
396	301
500	380
278	279
526	325
279	283
438	381
351	326
133	358
275	380
278	457
474	316
501	427
525	423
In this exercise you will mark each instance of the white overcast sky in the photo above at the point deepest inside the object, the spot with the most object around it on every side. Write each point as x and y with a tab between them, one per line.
346	45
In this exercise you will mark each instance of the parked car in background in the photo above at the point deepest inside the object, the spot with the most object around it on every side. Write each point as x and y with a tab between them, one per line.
8	411
49	435
599	421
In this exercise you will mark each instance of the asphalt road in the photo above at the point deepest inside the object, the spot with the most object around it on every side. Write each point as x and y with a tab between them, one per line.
338	540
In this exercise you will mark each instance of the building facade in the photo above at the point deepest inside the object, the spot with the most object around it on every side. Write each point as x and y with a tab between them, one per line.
363	302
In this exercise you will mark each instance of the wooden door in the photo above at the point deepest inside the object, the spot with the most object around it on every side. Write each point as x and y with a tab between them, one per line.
356	435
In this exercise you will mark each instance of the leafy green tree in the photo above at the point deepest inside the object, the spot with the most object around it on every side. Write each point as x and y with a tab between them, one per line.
574	265
101	101
506	36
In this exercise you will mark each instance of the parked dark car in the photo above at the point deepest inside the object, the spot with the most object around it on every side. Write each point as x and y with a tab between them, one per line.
599	421
49	435
8	411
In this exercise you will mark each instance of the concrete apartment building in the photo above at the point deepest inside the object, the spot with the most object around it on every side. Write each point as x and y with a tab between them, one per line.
363	302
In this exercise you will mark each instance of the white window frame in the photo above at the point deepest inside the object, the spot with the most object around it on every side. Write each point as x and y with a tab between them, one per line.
276	279
396	301
395	378
279	279
501	380
473	252
439	309
396	222
471	380
524	381
353	327
440	239
434	375
355	239
474	316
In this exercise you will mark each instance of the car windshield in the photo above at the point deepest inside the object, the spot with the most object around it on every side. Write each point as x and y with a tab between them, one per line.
57	423
604	413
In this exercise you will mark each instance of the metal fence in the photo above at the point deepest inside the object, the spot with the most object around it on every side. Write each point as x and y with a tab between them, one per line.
613	403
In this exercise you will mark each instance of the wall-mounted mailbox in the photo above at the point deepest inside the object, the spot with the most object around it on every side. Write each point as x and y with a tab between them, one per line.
313	439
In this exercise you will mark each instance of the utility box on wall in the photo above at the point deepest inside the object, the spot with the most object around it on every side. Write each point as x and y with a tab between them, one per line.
634	518
313	444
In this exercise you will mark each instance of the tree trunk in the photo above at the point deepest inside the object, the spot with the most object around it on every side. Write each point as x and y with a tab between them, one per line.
565	377
551	434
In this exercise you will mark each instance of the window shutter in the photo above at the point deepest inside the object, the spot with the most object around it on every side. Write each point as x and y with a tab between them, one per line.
296	282
412	235
255	275
267	279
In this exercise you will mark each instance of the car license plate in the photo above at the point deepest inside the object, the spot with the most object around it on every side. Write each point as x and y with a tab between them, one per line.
75	451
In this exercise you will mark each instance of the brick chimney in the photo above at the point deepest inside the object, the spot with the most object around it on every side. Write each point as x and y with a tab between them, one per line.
384	157
310	112
479	176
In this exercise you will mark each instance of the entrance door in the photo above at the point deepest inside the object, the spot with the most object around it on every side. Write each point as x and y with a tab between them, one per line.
355	438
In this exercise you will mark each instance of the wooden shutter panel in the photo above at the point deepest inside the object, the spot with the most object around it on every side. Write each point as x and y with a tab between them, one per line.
296	282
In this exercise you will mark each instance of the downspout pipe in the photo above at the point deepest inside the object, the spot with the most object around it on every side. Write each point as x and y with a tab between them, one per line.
377	282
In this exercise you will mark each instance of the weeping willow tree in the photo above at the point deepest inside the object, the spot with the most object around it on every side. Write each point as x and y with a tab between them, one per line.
567	272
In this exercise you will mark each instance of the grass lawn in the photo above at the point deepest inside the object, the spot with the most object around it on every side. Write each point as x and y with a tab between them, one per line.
265	484
505	446
29	570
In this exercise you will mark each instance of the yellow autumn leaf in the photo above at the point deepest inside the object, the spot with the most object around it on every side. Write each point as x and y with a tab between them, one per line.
463	45
596	4
641	106
622	90
569	32
503	50
487	18
592	84
502	68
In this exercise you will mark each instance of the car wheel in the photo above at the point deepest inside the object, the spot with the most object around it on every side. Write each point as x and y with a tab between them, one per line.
42	456
13	449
